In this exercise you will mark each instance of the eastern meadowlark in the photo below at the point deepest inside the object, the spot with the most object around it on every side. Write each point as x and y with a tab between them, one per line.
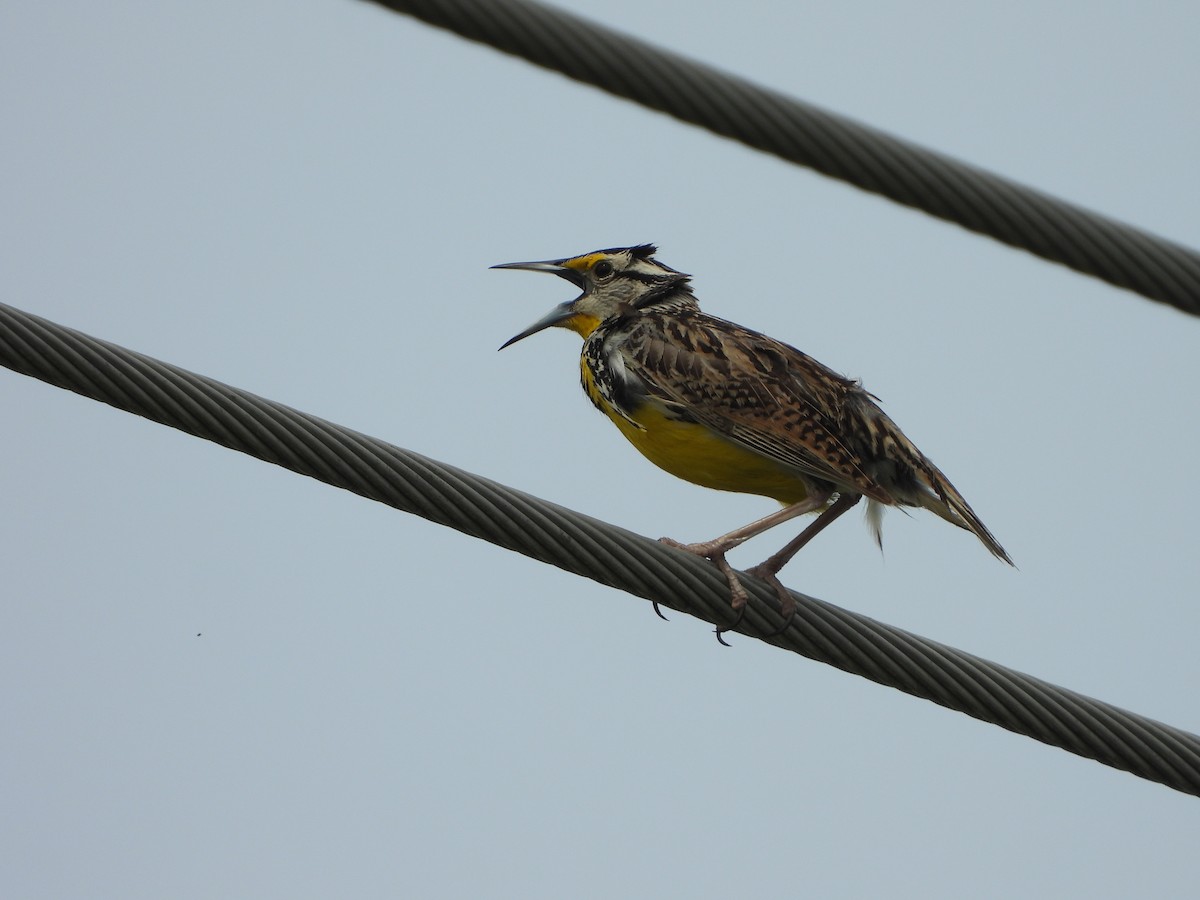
728	408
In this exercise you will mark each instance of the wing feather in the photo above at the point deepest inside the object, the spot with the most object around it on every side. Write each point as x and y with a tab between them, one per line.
756	391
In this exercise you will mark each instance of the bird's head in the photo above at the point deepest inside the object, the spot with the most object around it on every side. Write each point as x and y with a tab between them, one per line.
613	281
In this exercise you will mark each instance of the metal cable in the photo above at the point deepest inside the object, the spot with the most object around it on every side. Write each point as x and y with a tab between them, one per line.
799	132
577	543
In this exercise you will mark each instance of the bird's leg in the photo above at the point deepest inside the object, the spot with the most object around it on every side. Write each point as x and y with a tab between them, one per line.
737	537
716	549
769	568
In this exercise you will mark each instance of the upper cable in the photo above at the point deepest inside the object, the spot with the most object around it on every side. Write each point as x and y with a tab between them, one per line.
799	132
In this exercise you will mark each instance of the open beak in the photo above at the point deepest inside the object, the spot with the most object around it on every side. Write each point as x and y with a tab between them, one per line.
560	313
556	316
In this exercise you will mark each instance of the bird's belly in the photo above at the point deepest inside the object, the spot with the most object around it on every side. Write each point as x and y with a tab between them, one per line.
696	454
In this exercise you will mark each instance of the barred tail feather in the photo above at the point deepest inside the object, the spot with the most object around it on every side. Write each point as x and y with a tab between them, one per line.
944	500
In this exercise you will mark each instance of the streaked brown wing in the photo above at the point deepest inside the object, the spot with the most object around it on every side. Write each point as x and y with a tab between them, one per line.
758	392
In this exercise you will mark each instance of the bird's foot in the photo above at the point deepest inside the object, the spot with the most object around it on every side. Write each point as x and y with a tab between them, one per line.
715	552
787	603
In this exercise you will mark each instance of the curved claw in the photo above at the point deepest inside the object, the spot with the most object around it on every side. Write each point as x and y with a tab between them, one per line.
737	620
658	612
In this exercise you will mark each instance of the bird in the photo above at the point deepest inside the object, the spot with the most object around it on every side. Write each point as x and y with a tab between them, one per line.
725	407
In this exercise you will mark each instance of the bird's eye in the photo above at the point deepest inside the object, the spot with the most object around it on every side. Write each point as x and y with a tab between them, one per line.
603	269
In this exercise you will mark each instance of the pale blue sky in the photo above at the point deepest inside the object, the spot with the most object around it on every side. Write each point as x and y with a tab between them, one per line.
303	198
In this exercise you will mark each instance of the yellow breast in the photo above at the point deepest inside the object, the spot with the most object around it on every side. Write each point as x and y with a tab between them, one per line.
698	454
